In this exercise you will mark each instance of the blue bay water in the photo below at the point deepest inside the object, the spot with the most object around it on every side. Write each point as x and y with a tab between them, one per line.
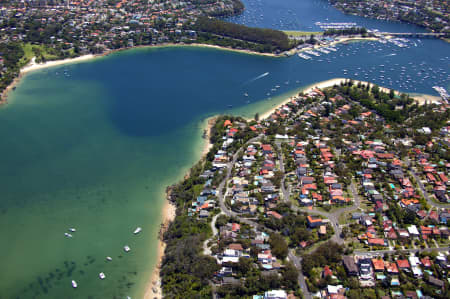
93	146
303	14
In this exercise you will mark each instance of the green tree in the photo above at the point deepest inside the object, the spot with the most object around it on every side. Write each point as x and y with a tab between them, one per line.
278	245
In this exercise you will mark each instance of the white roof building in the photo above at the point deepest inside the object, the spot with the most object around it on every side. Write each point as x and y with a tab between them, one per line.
333	289
275	294
412	230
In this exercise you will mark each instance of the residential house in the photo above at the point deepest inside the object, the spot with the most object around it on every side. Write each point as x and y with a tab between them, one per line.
403	265
314	221
378	265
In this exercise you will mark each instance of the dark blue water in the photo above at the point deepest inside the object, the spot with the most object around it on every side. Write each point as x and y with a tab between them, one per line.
303	14
94	145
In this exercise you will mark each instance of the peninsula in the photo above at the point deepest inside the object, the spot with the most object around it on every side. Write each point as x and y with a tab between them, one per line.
335	192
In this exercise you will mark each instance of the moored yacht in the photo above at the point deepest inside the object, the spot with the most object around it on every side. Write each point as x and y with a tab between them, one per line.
74	284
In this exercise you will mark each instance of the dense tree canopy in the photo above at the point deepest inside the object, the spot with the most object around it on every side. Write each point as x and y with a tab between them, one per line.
275	39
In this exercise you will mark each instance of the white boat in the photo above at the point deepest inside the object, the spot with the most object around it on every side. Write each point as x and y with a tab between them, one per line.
72	230
68	235
137	230
126	248
108	258
246	94
74	284
101	275
304	56
323	50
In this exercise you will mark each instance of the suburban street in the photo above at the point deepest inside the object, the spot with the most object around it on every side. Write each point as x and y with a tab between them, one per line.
424	191
332	216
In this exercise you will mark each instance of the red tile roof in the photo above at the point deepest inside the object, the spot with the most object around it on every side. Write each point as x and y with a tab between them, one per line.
376	241
378	265
403	264
391	267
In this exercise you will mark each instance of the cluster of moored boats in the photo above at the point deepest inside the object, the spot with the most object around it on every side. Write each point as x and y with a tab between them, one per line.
71	230
395	72
317	52
442	92
102	275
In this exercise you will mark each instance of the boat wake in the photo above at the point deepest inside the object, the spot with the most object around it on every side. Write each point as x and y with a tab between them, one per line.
257	78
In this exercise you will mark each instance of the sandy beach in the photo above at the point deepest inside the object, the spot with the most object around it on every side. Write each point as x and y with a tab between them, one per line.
234	50
32	66
322	84
420	98
153	289
207	134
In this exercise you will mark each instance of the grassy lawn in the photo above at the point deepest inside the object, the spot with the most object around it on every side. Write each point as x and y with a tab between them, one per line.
359	246
302	33
28	50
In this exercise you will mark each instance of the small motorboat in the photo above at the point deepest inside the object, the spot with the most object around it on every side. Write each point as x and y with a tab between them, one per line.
101	275
126	248
74	284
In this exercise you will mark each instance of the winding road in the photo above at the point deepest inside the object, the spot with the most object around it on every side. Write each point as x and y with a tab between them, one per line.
332	216
422	188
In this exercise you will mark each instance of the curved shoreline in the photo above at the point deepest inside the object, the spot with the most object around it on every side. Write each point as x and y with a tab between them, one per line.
169	209
153	289
419	97
34	66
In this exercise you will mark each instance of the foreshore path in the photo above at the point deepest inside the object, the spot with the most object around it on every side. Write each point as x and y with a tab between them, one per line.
206	249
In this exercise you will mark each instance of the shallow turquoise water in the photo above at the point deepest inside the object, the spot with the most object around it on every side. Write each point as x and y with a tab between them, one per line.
94	145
